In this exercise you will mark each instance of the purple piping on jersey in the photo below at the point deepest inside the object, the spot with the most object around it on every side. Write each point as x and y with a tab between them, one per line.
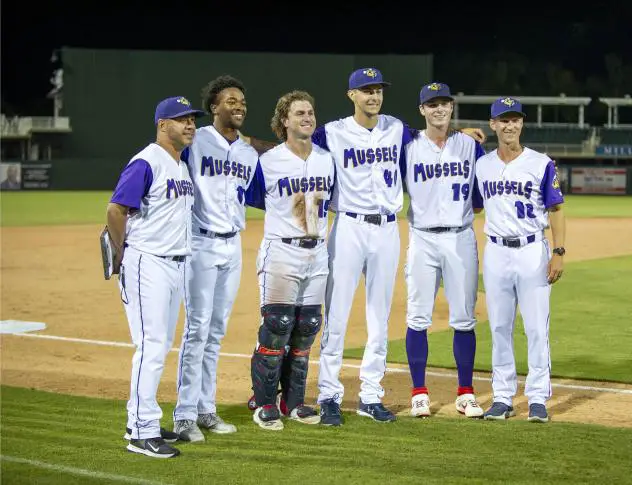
185	337
142	348
263	265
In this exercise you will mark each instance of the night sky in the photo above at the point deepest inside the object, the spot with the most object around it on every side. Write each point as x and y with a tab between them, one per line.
578	41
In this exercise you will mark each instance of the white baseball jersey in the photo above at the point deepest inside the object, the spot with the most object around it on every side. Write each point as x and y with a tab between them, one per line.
439	180
367	164
295	193
222	172
516	195
159	193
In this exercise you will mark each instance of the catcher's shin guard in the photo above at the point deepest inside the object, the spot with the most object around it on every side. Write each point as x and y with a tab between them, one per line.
274	334
296	362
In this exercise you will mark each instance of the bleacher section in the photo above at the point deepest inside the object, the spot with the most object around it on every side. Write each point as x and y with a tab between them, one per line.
615	136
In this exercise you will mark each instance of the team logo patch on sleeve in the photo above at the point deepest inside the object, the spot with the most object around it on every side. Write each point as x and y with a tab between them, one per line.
556	182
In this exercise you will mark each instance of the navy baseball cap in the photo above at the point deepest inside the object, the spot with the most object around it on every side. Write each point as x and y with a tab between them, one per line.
174	108
434	90
366	77
506	105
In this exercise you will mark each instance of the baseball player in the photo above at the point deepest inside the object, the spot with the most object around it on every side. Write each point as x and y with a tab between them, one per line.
221	166
149	223
293	183
364	239
439	174
520	191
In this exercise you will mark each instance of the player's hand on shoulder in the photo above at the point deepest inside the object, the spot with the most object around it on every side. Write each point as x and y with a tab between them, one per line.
477	133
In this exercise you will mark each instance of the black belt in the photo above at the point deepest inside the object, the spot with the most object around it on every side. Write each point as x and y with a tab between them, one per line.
438	230
223	235
177	259
512	243
371	218
301	242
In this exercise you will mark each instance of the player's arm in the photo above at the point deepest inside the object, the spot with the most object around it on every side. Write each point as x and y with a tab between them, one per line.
558	234
261	146
256	191
117	222
133	184
477	198
477	133
553	200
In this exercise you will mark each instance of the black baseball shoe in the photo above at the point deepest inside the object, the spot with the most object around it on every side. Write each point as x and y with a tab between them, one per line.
165	434
153	447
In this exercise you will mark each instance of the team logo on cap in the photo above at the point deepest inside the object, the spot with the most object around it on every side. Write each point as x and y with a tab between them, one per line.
434	87
508	101
184	101
370	72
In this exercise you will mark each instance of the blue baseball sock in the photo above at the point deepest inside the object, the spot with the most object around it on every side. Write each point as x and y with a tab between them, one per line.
464	347
417	352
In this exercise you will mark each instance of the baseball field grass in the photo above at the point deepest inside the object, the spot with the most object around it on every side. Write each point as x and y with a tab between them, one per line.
77	207
54	438
589	336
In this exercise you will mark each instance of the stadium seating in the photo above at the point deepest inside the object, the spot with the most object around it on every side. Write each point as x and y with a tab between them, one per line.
615	136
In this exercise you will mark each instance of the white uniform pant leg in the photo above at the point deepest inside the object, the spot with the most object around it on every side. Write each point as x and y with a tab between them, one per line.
150	286
460	277
280	268
499	276
312	290
380	273
423	275
200	289
534	293
226	287
347	247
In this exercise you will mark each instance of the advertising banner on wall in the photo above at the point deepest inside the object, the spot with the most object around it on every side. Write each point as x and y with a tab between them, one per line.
598	180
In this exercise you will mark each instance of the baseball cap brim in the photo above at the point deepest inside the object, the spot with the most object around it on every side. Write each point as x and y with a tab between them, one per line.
438	96
371	83
511	111
196	112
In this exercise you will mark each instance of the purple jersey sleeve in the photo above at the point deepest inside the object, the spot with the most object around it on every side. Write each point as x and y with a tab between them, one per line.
184	156
477	198
550	187
479	151
320	137
256	191
408	135
133	184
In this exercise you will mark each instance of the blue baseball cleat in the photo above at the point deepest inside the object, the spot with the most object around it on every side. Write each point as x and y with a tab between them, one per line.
499	411
330	414
538	414
375	411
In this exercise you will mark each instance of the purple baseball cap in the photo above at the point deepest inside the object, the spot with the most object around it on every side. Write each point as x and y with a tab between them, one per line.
434	90
174	108
506	105
366	77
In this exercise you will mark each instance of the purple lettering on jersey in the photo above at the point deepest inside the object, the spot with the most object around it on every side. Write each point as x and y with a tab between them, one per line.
454	169
370	156
221	167
179	188
207	162
303	184
550	187
507	187
133	184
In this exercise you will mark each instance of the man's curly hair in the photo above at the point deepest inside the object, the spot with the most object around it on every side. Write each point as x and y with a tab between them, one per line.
282	111
216	86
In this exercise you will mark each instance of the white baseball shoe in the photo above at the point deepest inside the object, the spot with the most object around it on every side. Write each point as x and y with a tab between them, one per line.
420	406
187	430
268	418
215	424
305	414
466	404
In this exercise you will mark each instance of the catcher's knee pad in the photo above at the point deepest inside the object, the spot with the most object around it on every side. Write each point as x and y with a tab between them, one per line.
274	334
309	319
